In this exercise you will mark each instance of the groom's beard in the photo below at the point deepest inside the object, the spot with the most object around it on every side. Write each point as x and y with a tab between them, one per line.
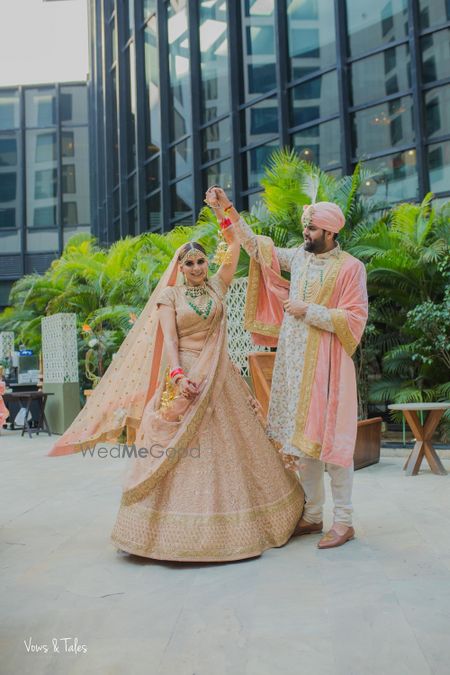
317	246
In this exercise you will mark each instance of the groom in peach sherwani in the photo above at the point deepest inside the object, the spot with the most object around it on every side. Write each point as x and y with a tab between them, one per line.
316	321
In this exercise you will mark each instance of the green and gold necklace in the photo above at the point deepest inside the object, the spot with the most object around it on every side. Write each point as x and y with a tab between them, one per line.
203	305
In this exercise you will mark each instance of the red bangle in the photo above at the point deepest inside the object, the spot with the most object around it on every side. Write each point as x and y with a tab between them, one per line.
226	222
176	371
228	207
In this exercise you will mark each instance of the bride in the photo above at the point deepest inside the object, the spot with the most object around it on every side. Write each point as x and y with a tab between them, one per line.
205	483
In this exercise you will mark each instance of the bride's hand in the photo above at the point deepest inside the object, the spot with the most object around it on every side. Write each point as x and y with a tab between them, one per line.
188	389
217	198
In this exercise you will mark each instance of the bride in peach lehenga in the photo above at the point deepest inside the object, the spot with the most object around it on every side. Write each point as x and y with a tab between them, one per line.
211	487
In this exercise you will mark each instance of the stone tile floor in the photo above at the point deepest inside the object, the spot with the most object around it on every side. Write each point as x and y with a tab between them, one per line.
379	605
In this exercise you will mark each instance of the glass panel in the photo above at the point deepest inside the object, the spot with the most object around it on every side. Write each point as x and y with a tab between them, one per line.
152	174
214	58
149	7
116	203
180	89
312	40
382	126
395	177
73	105
9	192
8	150
256	161
131	108
69	214
373	23
115	129
75	176
181	198
254	198
218	174
132	221
181	158
128	11
381	75
152	115
40	107
216	140
41	179
9	110
154	215
439	166
261	121
433	12
437	112
132	190
320	144
259	46
46	147
436	56
314	99
113	40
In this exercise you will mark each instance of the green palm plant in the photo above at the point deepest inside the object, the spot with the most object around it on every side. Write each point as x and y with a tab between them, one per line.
406	252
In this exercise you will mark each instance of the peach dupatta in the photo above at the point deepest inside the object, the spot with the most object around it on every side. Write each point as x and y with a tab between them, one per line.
267	290
119	399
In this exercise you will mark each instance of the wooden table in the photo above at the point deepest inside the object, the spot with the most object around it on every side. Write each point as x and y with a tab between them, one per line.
423	434
25	399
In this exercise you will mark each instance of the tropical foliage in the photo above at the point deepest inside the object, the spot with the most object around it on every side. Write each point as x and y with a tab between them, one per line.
405	354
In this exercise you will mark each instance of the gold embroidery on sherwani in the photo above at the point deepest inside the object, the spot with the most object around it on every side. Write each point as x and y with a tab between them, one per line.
299	439
342	330
251	324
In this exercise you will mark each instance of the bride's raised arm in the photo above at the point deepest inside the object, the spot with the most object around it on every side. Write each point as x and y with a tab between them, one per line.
221	204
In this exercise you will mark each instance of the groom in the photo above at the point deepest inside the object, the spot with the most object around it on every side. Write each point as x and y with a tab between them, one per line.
312	414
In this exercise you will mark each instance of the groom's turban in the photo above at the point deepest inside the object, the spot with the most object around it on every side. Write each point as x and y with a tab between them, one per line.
325	215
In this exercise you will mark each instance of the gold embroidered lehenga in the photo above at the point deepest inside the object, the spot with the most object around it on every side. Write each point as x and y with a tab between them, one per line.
226	495
205	483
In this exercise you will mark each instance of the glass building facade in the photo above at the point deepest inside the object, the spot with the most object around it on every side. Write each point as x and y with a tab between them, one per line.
187	93
44	176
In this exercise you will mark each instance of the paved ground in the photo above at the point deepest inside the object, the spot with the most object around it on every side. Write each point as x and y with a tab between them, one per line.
379	605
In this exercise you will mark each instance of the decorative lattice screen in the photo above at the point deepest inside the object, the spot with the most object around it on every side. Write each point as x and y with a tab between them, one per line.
59	348
6	344
239	340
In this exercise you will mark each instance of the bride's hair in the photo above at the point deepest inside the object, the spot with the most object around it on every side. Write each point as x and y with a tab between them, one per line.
189	247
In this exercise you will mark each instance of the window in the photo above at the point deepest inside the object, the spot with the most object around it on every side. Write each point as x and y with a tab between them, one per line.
45	147
311	35
45	184
214	58
439	167
320	144
68	179
314	99
9	110
372	23
437	106
383	126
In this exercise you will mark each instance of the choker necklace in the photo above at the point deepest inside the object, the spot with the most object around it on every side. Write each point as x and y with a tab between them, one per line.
196	291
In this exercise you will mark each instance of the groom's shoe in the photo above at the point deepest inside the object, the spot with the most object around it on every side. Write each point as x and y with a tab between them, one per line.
303	527
332	538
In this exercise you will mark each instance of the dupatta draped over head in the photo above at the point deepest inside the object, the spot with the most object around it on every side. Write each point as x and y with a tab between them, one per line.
129	382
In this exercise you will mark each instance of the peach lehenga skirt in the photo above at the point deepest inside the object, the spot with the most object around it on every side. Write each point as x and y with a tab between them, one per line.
230	497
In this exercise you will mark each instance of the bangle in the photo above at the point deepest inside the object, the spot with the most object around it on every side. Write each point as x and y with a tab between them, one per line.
226	222
175	372
230	206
